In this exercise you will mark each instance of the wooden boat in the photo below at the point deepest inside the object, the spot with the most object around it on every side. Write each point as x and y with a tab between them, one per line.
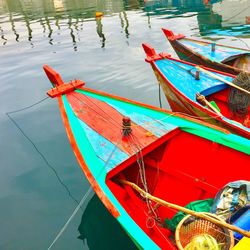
216	56
170	155
178	80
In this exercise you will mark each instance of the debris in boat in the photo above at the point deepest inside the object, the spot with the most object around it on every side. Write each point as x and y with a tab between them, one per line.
241	219
203	101
238	100
232	197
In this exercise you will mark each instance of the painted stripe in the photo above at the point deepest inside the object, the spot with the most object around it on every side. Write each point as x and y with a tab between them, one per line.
104	148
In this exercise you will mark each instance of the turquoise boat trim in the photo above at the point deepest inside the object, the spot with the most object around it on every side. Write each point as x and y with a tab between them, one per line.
233	141
104	148
146	122
220	54
94	164
186	83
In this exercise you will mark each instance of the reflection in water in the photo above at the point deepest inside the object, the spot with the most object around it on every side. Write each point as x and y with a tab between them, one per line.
49	29
70	23
13	27
93	228
124	22
211	15
2	36
99	30
53	14
232	12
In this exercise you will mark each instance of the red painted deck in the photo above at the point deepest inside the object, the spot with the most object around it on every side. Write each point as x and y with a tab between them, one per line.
97	114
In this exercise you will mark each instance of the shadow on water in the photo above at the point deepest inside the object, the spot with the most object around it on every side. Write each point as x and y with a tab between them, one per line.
100	230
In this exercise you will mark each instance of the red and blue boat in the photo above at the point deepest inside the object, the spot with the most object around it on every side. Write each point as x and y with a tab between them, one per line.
183	82
210	54
171	156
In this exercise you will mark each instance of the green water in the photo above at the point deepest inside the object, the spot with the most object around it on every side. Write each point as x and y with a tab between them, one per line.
39	182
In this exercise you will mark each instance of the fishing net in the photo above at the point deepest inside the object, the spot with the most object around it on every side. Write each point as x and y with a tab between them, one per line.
238	100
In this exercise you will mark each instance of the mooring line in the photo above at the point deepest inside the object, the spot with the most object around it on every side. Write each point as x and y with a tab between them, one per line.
71	217
27	107
36	148
85	196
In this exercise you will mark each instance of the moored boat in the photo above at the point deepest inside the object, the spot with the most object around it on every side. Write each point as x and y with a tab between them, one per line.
171	156
210	54
205	93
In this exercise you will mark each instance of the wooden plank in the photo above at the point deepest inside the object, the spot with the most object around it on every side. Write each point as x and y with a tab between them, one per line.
107	121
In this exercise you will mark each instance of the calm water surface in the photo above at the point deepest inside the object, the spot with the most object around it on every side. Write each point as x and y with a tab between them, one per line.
37	196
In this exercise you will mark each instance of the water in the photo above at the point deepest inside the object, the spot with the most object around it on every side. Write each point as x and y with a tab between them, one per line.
36	197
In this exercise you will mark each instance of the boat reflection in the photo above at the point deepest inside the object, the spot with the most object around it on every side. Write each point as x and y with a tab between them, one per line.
212	16
232	13
52	16
235	17
29	19
100	230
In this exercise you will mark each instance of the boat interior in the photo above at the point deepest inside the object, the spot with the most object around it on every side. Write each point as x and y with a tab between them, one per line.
221	100
241	61
180	169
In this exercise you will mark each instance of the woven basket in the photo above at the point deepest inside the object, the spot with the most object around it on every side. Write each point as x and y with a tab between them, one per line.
191	226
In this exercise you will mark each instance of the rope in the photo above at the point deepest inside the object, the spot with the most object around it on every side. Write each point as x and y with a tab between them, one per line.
143	178
159	92
185	210
84	197
36	148
27	107
71	217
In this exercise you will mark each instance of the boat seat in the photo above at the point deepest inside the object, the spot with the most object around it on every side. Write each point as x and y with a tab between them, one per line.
213	89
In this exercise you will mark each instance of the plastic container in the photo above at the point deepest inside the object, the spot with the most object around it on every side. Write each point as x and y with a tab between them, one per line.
242	220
